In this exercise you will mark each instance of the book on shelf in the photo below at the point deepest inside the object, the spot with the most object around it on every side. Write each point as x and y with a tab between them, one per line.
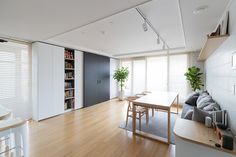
69	65
69	55
69	93
69	75
69	85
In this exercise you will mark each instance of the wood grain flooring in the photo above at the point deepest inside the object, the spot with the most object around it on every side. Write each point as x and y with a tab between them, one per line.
92	132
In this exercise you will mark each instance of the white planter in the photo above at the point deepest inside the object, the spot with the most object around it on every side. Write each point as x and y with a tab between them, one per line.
121	95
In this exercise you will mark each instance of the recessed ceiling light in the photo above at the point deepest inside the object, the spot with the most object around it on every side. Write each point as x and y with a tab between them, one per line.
200	9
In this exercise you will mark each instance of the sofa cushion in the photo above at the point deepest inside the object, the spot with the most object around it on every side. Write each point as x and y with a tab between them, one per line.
189	114
200	115
185	109
204	101
192	101
212	107
201	96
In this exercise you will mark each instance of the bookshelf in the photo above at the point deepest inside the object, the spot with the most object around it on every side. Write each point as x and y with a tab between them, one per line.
69	78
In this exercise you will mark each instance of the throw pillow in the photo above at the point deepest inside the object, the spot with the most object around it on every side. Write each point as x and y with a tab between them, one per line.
205	101
192	101
200	115
202	95
189	115
212	107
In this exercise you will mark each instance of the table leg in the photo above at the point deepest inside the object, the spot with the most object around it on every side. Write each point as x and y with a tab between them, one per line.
169	126
178	103
134	118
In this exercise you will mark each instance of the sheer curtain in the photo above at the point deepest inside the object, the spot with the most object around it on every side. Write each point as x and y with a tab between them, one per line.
15	78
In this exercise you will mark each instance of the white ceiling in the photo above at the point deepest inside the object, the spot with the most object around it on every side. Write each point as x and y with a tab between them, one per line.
123	33
40	19
111	27
196	27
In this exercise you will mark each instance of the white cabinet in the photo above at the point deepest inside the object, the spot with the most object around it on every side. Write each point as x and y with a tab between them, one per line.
48	80
78	79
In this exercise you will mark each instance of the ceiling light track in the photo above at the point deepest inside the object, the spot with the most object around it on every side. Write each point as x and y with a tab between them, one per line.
146	21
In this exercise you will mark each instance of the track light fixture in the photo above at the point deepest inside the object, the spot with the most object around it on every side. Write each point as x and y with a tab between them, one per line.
158	39
147	24
2	41
164	46
145	27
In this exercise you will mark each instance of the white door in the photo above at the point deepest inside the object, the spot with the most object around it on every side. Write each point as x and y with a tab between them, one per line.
58	79
45	81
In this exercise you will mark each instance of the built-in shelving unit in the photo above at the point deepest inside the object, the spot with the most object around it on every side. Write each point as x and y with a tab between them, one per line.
69	80
212	43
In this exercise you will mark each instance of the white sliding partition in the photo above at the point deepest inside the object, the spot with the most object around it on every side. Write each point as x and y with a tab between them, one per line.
79	55
48	80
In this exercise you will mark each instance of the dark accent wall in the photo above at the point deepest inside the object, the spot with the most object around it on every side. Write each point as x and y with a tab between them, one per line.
96	79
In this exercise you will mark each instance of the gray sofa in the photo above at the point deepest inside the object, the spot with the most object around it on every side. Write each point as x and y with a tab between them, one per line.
199	105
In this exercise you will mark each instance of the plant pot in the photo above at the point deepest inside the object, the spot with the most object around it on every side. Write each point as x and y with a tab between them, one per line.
121	95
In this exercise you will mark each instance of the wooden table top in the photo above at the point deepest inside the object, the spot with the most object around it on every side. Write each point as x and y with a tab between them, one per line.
198	133
158	99
4	112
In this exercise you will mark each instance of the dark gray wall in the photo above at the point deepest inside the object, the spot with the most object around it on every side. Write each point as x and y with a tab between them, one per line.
96	79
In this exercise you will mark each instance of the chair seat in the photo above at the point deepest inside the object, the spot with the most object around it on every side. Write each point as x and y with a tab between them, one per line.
140	109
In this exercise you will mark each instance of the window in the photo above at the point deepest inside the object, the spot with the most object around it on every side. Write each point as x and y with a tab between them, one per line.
138	76
178	65
15	78
157	73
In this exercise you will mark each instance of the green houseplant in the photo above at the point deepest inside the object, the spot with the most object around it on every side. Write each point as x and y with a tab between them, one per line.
194	76
121	76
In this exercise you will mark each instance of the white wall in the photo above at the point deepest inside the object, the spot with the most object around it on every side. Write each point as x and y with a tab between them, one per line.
220	78
114	64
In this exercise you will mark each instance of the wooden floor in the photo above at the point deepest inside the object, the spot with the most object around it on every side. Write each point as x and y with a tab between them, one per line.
92	132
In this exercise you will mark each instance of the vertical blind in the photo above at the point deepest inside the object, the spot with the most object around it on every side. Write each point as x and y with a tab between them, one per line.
158	73
15	78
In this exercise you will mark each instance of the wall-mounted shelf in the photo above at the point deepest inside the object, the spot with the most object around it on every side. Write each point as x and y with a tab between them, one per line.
212	43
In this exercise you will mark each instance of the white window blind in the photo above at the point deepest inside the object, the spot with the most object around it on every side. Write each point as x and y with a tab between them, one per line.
157	73
177	81
15	78
139	72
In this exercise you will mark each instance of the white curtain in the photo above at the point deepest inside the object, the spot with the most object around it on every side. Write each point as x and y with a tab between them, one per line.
15	78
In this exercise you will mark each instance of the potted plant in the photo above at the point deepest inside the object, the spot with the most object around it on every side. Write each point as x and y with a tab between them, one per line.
121	76
194	76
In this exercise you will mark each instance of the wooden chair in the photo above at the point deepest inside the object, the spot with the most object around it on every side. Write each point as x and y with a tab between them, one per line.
140	111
